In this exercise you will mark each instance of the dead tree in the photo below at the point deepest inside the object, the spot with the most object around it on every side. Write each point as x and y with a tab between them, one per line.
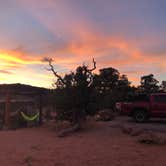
77	87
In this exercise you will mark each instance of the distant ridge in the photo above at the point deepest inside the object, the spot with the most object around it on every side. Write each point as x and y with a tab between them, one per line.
21	88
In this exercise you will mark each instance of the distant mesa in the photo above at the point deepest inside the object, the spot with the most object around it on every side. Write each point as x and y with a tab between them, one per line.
21	89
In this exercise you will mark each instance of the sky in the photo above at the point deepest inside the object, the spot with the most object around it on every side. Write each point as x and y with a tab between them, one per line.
129	35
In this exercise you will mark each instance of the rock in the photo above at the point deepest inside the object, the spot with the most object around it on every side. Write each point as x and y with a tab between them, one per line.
133	131
126	129
152	138
136	131
105	115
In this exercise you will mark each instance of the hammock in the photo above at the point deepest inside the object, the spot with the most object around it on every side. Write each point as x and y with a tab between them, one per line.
29	118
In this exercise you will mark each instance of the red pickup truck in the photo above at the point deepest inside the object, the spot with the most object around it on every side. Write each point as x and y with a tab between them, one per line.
153	105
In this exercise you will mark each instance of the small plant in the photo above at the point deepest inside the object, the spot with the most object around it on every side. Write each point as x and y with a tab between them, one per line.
28	160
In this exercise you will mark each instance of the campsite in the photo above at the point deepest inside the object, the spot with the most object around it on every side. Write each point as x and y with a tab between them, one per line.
82	83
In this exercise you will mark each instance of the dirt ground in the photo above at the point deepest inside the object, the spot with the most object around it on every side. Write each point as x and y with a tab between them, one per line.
101	144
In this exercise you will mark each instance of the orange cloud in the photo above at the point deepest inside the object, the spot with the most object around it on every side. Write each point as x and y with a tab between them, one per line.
14	57
14	62
108	51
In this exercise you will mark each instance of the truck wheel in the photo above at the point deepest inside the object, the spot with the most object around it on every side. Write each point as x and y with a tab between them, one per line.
140	116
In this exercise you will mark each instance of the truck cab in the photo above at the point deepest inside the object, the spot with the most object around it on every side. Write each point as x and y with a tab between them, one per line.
143	107
158	105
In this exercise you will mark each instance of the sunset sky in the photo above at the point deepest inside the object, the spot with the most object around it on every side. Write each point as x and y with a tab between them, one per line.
129	35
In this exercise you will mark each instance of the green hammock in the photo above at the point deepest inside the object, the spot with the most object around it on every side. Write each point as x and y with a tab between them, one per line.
29	118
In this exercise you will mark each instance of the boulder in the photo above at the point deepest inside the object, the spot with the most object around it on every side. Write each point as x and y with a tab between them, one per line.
105	115
136	131
126	129
133	131
152	138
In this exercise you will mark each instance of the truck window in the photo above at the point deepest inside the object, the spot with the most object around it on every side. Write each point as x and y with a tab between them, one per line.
160	98
140	97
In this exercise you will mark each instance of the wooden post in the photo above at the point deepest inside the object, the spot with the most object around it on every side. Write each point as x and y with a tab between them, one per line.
40	109
7	112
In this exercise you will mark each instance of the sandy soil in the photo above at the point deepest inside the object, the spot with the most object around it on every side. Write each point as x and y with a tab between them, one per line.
99	145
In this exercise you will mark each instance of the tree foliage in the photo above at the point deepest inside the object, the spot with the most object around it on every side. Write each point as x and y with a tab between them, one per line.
163	86
111	87
82	93
149	84
73	91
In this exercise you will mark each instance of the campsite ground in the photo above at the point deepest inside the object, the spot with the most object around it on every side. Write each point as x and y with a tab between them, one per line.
100	144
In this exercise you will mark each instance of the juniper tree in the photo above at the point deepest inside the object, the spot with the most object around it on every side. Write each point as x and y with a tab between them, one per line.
73	92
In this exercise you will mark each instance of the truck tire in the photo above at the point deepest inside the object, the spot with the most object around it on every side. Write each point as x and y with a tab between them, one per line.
140	116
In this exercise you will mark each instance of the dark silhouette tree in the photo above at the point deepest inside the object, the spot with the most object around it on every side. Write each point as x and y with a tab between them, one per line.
107	79
73	94
163	86
123	81
149	84
110	87
123	89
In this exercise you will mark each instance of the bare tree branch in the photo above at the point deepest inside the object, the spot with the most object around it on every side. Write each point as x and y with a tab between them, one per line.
50	60
94	66
90	73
